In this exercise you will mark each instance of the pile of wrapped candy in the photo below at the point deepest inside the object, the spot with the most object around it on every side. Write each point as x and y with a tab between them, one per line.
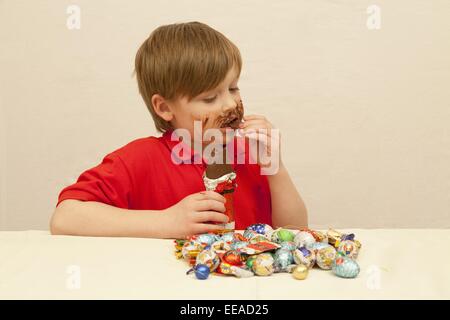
262	251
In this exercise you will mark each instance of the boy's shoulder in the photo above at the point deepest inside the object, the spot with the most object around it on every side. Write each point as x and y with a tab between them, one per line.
141	148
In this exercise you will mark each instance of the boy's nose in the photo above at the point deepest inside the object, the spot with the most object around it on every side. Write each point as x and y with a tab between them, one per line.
229	105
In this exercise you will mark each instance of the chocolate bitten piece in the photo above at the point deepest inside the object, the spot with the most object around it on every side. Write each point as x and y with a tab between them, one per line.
217	170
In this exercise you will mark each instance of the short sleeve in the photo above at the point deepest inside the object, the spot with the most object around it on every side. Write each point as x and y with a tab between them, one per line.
109	183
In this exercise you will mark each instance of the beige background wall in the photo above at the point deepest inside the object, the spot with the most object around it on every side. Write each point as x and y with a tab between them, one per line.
364	113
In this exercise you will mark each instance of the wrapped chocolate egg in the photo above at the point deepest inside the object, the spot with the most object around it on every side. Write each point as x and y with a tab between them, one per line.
348	248
232	257
238	244
288	245
201	271
191	249
281	235
305	257
345	267
282	259
224	268
249	261
300	272
248	234
205	239
263	265
209	258
325	257
303	239
316	246
228	269
258	238
261	228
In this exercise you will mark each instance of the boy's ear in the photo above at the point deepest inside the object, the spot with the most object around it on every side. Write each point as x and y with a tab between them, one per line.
162	108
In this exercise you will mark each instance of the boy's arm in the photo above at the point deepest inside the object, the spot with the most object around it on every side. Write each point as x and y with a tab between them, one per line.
288	208
192	215
90	218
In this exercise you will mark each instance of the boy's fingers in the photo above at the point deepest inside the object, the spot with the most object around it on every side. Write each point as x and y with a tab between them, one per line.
211	195
210	205
254	116
251	122
212	216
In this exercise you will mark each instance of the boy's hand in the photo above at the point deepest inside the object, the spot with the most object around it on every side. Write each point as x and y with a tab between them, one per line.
191	215
257	127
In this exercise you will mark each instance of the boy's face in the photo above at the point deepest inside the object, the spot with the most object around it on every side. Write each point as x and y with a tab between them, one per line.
219	108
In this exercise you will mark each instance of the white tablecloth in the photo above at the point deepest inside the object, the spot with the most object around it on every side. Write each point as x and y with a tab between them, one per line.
395	263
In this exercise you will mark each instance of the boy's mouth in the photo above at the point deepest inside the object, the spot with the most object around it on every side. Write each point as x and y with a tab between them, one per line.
232	122
234	118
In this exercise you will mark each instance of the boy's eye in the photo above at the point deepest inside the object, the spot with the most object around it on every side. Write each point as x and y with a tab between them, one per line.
210	100
234	89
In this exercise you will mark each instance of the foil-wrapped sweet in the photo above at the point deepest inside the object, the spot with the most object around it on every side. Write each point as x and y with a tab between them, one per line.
305	257
345	267
325	257
303	239
263	265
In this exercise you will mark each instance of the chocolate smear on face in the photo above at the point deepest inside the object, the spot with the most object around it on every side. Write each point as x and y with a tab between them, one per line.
233	118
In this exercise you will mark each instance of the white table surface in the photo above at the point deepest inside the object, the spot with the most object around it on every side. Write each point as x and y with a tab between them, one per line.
395	264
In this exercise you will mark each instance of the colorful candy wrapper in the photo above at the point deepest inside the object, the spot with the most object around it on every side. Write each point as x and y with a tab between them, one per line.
348	248
303	239
225	185
238	245
299	272
249	261
263	265
228	269
281	235
232	257
190	250
305	257
325	257
221	246
244	255
316	246
345	267
258	238
288	245
318	236
334	237
178	247
261	228
249	234
205	238
209	258
259	247
282	259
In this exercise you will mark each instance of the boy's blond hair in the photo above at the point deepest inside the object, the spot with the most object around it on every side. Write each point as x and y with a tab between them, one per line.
183	60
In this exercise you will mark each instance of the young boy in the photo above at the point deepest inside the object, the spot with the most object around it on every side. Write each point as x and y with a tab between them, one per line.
186	73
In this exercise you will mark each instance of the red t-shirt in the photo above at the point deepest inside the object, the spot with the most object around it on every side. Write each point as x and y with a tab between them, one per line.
142	176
